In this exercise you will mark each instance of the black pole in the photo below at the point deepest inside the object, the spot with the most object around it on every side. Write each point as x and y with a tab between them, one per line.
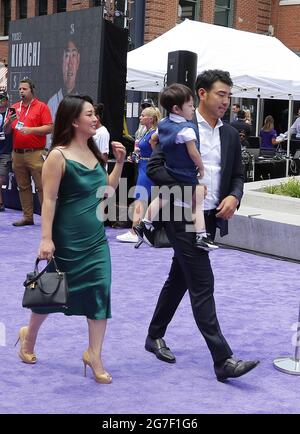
136	39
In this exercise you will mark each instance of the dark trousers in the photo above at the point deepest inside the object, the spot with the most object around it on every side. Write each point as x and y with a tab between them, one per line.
190	270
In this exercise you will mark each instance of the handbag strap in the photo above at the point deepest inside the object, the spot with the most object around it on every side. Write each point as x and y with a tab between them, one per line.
35	278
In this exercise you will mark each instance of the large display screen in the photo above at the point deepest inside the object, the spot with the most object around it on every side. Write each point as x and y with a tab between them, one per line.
61	53
74	52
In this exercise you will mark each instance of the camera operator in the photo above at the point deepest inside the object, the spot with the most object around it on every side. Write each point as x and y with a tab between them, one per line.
30	121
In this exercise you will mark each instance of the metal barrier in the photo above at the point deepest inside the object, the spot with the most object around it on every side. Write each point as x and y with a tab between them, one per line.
290	365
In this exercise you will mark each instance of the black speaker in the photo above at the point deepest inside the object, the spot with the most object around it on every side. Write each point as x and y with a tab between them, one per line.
182	68
112	77
269	169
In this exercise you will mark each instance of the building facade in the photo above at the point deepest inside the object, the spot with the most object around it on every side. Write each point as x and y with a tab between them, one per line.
277	18
148	19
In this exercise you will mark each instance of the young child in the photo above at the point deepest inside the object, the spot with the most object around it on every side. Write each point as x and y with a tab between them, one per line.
178	138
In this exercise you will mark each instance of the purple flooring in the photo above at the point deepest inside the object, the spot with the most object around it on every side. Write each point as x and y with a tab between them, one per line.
257	300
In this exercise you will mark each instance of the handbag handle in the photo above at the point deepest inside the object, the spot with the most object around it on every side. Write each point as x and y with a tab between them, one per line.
36	278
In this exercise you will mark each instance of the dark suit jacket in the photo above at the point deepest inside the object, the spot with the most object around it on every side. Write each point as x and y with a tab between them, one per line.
232	174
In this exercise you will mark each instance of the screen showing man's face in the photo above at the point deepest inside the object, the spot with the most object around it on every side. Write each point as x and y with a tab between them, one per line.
71	60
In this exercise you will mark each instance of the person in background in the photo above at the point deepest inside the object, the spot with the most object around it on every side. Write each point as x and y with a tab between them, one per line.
240	123
268	134
149	119
102	135
235	109
73	231
5	146
243	138
30	122
248	117
140	132
295	128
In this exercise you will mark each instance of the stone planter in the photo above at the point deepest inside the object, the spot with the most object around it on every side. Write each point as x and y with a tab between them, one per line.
266	223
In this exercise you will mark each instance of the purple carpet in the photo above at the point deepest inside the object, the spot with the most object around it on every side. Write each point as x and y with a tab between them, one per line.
257	301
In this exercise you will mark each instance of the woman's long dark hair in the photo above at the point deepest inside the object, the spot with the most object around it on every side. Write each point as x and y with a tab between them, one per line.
68	111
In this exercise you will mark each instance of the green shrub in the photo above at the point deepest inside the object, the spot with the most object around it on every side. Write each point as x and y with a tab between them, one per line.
290	188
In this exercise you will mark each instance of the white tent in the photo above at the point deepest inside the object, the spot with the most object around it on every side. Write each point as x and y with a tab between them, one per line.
258	64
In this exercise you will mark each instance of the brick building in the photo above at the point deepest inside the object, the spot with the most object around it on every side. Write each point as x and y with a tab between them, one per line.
278	18
148	19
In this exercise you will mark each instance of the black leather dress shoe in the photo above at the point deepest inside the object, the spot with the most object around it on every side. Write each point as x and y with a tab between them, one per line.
159	348
233	368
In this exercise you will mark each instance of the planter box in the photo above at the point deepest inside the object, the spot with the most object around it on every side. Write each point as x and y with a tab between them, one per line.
266	223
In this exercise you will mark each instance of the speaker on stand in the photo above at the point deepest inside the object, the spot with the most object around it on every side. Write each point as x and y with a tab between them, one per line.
182	68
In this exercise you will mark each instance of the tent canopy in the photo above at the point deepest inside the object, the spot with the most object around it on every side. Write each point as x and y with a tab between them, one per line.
258	64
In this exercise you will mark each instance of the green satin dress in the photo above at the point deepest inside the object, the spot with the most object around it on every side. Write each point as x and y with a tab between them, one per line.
81	248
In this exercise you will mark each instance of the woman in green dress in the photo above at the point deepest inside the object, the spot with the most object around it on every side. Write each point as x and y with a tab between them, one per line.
74	181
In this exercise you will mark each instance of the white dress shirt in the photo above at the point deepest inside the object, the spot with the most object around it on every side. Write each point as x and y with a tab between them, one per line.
210	148
295	128
101	138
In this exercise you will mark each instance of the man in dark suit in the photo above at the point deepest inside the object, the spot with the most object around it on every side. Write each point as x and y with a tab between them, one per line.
221	153
240	124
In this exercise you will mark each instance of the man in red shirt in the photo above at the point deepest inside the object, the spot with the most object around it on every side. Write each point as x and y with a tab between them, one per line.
30	121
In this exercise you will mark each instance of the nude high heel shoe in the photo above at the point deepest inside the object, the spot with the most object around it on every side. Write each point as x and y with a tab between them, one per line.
105	378
24	356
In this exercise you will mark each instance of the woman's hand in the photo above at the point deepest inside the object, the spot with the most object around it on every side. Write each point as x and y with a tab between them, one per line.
46	249
119	152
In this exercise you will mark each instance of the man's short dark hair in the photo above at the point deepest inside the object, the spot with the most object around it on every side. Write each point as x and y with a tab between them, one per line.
207	78
30	82
175	94
241	114
236	105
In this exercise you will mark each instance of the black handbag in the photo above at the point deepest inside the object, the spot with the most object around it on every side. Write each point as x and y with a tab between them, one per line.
161	238
45	288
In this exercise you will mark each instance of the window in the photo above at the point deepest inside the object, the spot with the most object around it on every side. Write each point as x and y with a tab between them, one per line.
6	15
61	6
188	9
98	2
289	2
22	9
224	13
42	7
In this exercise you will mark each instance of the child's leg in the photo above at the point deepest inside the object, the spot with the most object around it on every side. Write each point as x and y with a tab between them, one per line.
197	210
152	211
138	212
203	241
